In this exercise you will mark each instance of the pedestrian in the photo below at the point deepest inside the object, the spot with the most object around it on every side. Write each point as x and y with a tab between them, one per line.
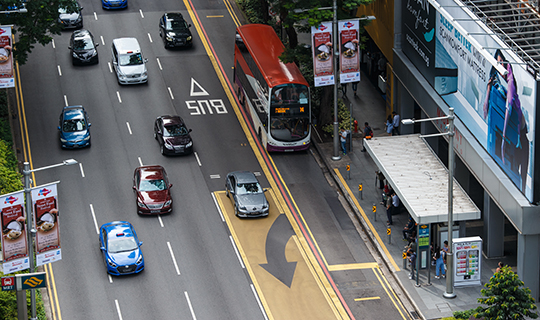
355	87
344	88
408	228
395	123
343	138
412	260
389	210
445	249
389	124
381	64
500	265
395	204
439	263
368	134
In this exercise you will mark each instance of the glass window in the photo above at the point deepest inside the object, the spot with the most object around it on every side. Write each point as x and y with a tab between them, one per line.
173	25
248	188
74	125
83	44
131	59
175	131
152	185
122	244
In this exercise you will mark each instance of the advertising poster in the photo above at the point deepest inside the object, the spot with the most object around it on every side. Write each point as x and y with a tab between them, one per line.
499	110
323	64
46	222
14	236
6	58
349	57
467	262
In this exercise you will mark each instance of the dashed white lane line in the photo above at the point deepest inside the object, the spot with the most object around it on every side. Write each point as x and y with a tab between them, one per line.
197	157
150	37
160	221
118	95
190	306
258	301
173	258
129	128
95	17
53	44
110	278
59	71
118	309
215	176
94	217
102	41
218	207
142	14
170	93
65	101
159	64
140	161
110	66
256	173
82	170
237	253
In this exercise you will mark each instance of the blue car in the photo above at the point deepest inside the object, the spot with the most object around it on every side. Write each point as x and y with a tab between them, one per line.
121	248
114	4
74	128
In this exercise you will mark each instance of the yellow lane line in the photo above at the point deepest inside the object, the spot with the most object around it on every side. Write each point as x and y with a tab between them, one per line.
366	299
353	266
231	12
218	16
392	294
377	237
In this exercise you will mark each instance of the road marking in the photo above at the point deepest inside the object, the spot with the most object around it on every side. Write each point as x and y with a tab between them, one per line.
217	16
59	71
258	300
257	173
393	297
160	221
150	37
110	278
129	128
102	41
218	207
118	309
237	253
353	266
51	287
170	93
368	298
173	259
159	64
65	100
53	45
190	307
140	161
215	176
197	157
82	170
110	66
142	15
94	217
118	95
95	16
201	91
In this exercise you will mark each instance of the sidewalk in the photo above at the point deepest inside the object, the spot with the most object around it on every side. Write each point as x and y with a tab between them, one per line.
427	298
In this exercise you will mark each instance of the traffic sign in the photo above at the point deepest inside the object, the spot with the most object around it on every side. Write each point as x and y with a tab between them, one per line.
374	209
388	231
359	187
348	168
31	281
8	283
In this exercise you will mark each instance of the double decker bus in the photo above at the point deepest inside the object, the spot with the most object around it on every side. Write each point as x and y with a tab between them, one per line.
274	95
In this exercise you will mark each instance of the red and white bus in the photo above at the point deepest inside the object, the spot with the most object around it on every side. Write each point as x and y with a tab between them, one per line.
275	95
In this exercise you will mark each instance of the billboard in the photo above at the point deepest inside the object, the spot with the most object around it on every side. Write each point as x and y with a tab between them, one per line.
322	48
349	51
499	110
6	58
46	223
14	233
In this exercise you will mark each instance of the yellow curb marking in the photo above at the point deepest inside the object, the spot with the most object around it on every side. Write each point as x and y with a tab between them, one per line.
353	266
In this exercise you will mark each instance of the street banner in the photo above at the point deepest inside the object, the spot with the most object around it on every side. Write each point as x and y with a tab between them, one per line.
46	223
323	64
349	53
14	233
6	58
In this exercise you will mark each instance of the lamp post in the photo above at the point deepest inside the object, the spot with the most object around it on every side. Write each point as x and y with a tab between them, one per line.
28	196
449	294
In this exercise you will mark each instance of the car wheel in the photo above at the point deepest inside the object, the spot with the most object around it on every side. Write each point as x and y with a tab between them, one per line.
227	192
236	210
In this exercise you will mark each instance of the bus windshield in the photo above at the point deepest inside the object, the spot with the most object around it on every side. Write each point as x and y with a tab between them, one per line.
289	129
289	112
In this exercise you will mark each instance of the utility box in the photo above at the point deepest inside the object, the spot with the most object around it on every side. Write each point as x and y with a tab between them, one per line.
467	261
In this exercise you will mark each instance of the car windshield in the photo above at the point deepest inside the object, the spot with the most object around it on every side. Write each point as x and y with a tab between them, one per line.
82	44
175	131
122	244
152	185
73	125
65	10
131	59
175	25
248	188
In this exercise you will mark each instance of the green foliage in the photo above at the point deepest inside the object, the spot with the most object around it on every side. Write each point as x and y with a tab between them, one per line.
506	298
36	26
252	9
8	303
344	118
463	315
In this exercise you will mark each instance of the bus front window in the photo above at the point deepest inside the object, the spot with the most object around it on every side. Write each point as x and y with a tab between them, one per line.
289	129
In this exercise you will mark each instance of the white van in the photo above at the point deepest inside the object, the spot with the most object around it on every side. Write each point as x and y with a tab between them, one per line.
128	61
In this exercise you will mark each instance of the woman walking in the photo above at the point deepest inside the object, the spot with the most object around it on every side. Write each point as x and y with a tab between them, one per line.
439	260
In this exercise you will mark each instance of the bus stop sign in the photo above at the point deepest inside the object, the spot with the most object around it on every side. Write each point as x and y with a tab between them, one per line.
8	283
31	281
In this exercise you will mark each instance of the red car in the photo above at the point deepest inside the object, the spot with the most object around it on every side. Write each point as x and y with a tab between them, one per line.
153	190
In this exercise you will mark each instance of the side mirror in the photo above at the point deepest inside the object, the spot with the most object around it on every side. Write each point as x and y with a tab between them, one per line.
69	47
189	25
102	248
89	124
140	243
170	185
190	130
145	60
265	189
135	188
115	63
59	128
96	44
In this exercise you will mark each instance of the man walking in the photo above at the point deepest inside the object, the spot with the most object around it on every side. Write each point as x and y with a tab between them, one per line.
368	134
395	123
343	139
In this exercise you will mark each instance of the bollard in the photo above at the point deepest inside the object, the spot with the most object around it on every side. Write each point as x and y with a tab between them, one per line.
360	191
404	255
374	209
389	233
348	171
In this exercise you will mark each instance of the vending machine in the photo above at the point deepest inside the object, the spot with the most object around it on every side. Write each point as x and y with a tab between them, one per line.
467	261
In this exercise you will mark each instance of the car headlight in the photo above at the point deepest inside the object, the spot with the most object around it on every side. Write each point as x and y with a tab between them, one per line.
140	204
86	138
189	144
168	146
79	19
265	205
168	203
242	208
63	140
188	38
94	53
169	38
75	55
145	74
112	264
140	259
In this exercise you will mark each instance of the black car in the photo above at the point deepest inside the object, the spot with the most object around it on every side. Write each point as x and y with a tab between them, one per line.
246	194
173	135
174	30
70	17
83	48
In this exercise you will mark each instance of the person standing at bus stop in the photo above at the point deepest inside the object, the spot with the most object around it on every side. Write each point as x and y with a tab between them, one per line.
343	139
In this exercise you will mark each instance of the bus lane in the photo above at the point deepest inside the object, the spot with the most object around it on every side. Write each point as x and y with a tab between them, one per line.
288	284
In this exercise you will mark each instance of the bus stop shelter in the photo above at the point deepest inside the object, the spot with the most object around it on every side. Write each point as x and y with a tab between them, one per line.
419	179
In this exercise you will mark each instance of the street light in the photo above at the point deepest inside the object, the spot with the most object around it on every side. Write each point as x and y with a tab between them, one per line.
28	196
449	294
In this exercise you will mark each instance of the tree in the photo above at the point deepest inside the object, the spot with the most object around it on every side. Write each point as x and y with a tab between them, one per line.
37	25
506	299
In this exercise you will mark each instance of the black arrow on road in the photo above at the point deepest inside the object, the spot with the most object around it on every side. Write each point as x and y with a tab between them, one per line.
279	234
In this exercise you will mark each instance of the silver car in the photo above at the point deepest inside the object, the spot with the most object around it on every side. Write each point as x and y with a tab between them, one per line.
246	194
128	61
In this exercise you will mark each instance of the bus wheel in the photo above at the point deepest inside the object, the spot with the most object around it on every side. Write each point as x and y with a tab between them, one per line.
259	135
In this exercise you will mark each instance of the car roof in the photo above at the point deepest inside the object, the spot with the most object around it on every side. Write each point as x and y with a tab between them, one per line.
174	15
171	120
244	177
117	229
73	112
125	45
152	172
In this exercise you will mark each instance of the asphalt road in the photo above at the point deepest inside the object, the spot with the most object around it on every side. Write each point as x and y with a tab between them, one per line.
192	270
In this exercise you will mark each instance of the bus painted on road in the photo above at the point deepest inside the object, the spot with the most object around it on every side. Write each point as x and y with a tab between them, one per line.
274	94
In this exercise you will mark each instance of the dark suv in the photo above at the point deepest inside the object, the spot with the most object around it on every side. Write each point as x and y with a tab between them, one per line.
174	30
82	47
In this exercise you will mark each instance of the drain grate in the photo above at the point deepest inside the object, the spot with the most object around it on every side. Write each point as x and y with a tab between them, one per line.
414	315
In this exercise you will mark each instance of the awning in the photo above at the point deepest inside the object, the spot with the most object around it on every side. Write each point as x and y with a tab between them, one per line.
419	179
